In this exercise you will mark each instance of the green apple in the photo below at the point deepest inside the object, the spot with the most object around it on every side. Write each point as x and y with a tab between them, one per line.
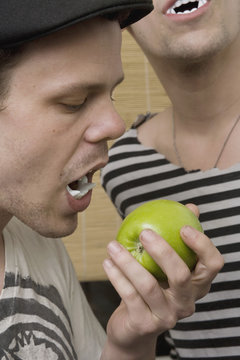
165	217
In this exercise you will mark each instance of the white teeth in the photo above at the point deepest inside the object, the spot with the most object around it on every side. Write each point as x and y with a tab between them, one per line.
83	188
178	3
201	3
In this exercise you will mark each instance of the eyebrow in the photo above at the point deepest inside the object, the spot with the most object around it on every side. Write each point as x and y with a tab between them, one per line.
74	88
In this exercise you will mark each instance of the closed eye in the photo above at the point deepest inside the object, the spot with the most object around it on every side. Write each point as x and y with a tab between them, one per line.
76	107
72	108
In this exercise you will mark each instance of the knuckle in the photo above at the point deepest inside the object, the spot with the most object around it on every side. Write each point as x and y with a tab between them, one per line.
167	319
220	263
191	310
170	321
216	264
182	277
203	292
131	295
148	329
187	311
151	287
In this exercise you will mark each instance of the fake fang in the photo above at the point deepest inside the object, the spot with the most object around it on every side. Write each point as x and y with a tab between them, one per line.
82	188
186	6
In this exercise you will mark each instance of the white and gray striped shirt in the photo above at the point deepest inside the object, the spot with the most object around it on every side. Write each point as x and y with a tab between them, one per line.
137	174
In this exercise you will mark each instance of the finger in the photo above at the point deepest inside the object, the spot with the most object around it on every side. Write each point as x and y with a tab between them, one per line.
141	317
123	286
207	253
193	208
210	261
142	281
180	291
125	289
165	256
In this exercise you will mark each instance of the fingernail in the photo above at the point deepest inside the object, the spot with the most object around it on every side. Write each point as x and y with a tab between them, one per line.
114	247
147	235
107	263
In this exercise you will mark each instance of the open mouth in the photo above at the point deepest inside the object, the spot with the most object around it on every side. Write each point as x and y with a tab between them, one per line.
186	6
79	188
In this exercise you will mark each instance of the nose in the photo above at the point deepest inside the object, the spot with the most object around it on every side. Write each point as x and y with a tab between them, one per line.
106	125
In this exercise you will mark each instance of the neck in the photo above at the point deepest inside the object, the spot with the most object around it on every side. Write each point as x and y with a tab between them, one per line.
4	219
206	90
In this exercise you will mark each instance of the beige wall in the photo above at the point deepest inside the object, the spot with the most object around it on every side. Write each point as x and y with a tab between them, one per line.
140	92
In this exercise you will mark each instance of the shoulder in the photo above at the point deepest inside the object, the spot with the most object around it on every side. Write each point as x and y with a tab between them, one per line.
22	233
125	150
35	254
130	136
142	118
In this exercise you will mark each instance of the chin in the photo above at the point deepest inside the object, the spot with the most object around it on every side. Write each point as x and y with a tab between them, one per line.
60	230
47	223
198	49
56	228
56	233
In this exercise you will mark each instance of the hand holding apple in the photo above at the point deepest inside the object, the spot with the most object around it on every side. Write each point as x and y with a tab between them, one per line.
148	307
165	217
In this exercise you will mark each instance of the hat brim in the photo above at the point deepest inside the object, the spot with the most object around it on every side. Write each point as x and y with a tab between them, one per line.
25	20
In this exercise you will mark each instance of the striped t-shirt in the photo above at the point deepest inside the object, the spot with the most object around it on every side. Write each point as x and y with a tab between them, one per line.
136	174
44	314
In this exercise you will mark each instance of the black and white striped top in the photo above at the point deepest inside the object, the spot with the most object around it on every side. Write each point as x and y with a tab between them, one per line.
136	174
44	314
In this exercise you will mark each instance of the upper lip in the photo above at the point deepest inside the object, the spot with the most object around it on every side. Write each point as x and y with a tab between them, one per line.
90	172
168	4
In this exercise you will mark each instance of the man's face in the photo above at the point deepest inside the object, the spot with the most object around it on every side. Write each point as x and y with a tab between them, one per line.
171	32
56	121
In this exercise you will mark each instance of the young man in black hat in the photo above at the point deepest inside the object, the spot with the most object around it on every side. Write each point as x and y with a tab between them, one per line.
59	67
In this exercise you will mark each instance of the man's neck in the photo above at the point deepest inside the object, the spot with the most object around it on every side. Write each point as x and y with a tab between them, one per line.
206	103
206	90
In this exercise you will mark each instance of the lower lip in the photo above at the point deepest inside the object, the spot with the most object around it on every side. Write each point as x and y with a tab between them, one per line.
190	16
80	204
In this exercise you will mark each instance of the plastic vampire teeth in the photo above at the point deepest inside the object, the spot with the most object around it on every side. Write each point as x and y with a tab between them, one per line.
83	187
186	6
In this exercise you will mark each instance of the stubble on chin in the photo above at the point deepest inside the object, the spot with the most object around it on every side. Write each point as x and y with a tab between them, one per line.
45	222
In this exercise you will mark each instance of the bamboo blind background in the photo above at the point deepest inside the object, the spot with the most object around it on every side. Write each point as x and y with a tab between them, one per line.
140	92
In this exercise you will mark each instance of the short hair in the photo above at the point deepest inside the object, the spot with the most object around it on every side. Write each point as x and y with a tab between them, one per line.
9	58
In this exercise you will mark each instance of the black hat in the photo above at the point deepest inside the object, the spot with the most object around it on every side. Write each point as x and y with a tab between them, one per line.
24	20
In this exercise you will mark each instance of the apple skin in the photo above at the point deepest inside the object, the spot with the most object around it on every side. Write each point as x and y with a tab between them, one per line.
165	217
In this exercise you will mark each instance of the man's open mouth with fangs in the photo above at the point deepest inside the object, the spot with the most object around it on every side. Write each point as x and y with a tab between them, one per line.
185	6
79	188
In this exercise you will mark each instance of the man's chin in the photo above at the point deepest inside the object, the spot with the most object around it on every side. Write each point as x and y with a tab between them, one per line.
56	229
58	232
